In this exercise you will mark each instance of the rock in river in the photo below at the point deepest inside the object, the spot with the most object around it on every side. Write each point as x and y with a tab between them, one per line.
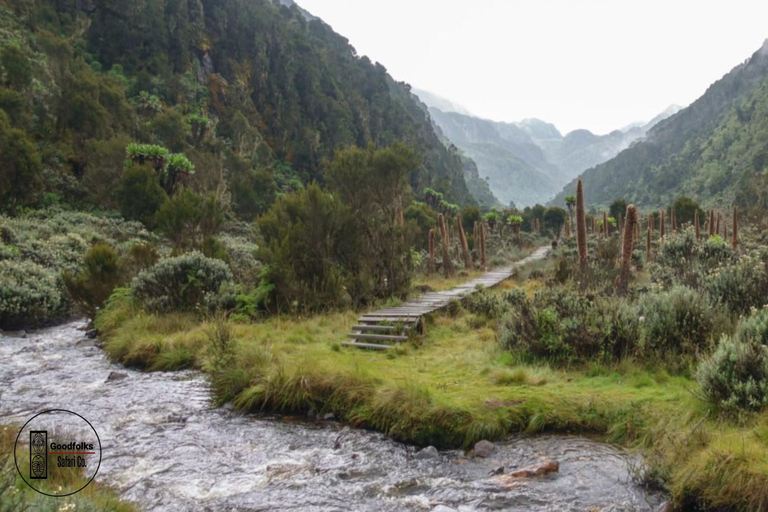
484	449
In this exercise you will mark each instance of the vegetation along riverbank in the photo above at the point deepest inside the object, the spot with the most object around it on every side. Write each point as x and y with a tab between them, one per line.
670	361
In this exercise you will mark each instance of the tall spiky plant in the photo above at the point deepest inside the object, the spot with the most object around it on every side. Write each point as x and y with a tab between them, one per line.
674	220
648	239
464	245
448	268
711	223
431	251
606	231
735	240
483	235
627	246
663	225
696	224
717	224
581	226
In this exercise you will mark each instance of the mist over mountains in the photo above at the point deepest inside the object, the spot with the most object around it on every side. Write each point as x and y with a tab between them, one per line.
529	162
715	151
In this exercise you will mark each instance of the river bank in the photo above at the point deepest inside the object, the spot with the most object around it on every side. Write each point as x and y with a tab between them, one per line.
167	448
454	387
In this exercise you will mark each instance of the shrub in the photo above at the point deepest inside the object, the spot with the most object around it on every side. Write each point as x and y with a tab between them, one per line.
754	328
91	288
562	326
678	321
183	283
736	375
741	285
29	294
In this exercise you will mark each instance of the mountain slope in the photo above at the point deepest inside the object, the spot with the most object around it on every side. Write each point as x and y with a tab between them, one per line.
715	150
276	89
530	161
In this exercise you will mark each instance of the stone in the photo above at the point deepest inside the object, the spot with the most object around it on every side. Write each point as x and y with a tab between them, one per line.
428	453
91	334
541	469
113	376
329	416
484	449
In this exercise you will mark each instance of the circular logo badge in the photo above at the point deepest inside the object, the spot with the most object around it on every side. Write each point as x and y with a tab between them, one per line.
57	453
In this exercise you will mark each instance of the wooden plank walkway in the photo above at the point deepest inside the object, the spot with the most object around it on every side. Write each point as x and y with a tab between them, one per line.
407	317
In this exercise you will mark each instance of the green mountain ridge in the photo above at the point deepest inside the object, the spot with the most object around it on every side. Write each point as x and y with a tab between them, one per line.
715	151
258	95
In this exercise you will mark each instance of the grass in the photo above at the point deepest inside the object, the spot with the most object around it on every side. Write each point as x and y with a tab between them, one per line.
17	496
455	388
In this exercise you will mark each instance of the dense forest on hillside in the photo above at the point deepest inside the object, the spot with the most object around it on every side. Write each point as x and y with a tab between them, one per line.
253	94
715	150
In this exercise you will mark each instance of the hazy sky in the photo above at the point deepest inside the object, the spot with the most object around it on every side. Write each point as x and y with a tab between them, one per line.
596	64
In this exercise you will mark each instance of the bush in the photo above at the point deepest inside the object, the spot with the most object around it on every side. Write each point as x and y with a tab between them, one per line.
91	288
563	327
29	294
184	283
741	285
754	328
736	375
678	321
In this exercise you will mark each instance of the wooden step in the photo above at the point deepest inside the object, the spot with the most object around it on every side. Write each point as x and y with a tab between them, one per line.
377	337
377	319
369	346
381	328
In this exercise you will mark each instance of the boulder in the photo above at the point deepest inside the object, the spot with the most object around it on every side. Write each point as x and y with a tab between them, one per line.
116	376
484	449
428	453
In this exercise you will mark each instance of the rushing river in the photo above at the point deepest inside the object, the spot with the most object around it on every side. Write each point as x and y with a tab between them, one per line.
166	448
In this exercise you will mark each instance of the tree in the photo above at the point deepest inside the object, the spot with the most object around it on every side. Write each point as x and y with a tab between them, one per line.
554	219
141	195
685	210
617	208
373	182
20	167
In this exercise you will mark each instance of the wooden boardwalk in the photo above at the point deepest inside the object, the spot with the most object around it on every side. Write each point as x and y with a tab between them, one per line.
395	324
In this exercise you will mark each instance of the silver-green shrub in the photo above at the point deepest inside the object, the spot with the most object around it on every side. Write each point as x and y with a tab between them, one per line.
736	375
185	283
29	293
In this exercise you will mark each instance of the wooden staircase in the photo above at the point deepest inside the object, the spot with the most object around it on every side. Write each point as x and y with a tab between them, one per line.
397	324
